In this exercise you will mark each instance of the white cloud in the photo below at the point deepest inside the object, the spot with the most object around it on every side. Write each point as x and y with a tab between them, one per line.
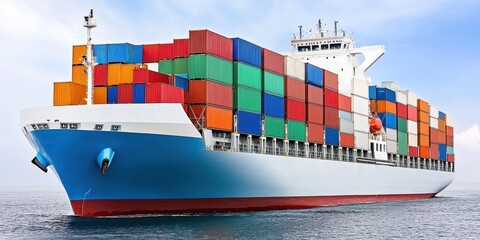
469	139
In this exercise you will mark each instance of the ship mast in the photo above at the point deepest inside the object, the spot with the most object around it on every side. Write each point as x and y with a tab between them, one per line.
88	60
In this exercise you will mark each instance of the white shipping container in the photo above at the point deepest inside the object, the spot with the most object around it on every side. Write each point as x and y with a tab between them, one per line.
391	85
433	122
360	105
345	115
360	123
360	88
344	87
401	98
449	120
413	140
152	66
433	112
391	134
361	140
294	68
346	126
411	97
412	127
392	146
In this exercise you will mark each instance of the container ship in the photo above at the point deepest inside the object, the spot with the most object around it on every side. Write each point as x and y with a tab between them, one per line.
216	124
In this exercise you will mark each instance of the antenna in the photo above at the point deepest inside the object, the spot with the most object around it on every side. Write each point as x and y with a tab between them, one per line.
300	27
319	25
336	22
88	60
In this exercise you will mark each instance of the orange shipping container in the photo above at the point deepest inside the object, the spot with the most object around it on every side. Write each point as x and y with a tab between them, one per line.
423	128
100	95
449	131
424	152
423	140
386	106
451	157
441	125
423	117
433	135
79	74
315	133
423	106
373	106
442	138
69	93
344	103
119	73
346	140
211	117
77	53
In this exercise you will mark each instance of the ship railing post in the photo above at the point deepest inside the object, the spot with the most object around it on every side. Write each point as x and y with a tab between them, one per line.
315	151
296	149
307	149
249	143
340	153
398	160
274	143
354	153
286	146
263	144
324	152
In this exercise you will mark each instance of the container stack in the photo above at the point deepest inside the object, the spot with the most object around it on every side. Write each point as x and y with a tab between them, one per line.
331	113
295	108
412	125
159	57
449	138
423	113
314	103
442	137
434	143
210	73
402	123
180	56
360	113
273	92
386	107
247	85
346	121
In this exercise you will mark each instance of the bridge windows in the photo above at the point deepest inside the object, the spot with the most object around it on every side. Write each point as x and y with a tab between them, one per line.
303	48
335	46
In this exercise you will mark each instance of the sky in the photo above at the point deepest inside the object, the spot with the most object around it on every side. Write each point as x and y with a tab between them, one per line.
432	48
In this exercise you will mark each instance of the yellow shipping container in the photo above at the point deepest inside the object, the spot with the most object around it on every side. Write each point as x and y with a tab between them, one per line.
78	52
100	95
69	93
119	73
79	74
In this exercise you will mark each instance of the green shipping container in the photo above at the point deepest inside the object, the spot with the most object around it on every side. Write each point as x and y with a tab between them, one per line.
204	66
247	99
402	125
296	130
274	127
165	66
180	66
246	75
273	83
402	143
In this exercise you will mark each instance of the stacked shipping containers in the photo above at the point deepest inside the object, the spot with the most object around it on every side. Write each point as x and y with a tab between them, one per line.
360	113
412	125
402	123
331	113
423	114
434	143
314	103
449	138
386	107
273	92
295	109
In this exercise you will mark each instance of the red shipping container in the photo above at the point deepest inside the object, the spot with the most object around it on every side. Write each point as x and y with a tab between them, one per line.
314	94
314	113
294	88
412	113
272	61
206	41
330	98
151	53
451	158
141	75
344	103
295	110
165	51
100	75
125	93
315	133
449	131
346	140
163	93
413	151
402	111
331	117
433	135
424	152
330	80
180	48
450	141
434	154
210	93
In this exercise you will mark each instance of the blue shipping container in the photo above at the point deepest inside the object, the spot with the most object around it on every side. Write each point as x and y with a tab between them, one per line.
181	81
345	115
100	52
388	120
273	105
124	53
450	150
249	123
247	52
331	136
442	152
112	94
139	93
386	94
441	115
314	75
372	92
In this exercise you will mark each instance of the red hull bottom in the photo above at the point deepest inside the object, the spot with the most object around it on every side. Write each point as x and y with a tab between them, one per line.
95	208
